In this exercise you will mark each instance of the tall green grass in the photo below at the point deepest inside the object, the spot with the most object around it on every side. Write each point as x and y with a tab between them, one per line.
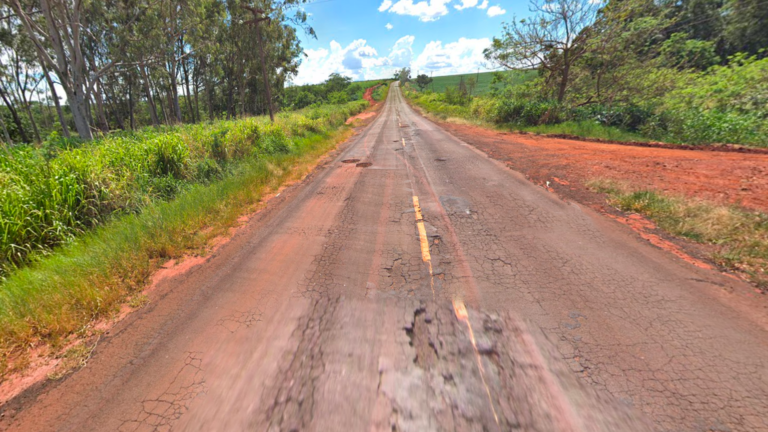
90	274
586	129
52	194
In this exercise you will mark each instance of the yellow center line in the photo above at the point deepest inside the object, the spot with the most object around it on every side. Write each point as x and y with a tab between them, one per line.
424	240
463	315
403	142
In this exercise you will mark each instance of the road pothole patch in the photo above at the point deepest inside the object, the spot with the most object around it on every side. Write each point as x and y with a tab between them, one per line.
418	332
350	161
363	164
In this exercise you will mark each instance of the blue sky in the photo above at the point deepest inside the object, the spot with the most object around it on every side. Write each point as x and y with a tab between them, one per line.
368	39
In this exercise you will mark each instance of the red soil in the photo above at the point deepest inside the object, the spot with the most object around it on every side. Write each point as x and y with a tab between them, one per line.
724	177
371	112
368	95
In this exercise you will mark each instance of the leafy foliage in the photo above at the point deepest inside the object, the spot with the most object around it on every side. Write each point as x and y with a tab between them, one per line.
423	81
337	89
51	195
654	70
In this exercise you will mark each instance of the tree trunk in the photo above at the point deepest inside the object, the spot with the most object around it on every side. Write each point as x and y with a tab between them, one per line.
80	113
130	102
161	104
230	100
174	94
28	110
148	94
264	73
14	114
68	63
564	78
209	93
114	103
99	97
196	87
187	94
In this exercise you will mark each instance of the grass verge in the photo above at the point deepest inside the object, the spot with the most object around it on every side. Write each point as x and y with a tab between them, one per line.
739	237
585	129
91	277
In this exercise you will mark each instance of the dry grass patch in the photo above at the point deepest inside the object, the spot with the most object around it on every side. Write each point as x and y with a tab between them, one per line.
739	237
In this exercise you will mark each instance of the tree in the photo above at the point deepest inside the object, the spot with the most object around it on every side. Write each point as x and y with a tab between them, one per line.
336	83
61	30
471	84
404	75
622	53
680	51
338	97
745	26
423	81
552	40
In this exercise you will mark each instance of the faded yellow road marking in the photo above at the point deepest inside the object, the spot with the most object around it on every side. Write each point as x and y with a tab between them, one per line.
417	207
461	313
424	240
403	142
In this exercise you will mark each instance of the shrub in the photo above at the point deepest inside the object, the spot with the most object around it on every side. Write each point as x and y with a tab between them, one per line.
338	98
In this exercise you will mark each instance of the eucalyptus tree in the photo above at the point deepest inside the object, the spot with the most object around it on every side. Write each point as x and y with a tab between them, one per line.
55	28
115	58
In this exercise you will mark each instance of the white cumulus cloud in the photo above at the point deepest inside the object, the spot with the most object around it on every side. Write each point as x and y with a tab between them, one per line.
496	11
462	56
466	4
401	53
361	61
358	60
428	10
484	5
389	26
353	61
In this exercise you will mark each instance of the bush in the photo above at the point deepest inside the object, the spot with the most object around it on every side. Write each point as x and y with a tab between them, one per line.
630	117
527	112
338	98
695	126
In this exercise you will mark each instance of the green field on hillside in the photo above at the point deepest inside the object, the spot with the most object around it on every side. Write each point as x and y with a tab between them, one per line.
484	80
371	83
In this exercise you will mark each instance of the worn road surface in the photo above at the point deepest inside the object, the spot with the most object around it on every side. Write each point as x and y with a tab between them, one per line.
413	284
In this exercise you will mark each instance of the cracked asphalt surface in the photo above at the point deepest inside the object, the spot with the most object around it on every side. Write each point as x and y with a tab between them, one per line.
332	311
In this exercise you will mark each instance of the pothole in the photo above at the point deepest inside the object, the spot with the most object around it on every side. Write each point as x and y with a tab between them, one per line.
350	161
418	332
363	164
441	160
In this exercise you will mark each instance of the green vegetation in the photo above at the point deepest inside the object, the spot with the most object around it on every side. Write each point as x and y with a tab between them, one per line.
588	129
337	89
106	208
125	65
740	237
485	81
381	92
681	72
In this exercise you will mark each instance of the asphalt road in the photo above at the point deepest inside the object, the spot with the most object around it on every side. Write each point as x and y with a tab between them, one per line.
340	307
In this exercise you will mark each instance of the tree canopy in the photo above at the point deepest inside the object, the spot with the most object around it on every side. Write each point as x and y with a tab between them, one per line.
126	63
